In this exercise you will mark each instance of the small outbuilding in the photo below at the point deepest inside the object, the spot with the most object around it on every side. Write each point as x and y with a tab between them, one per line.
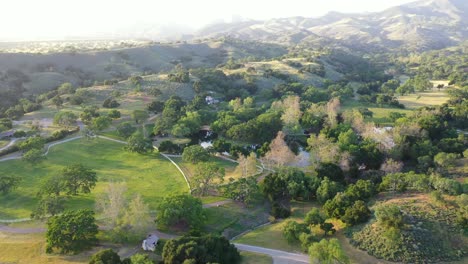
150	243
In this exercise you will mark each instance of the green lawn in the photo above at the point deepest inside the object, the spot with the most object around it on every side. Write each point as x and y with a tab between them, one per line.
233	218
229	167
380	114
271	236
4	142
254	258
416	100
151	175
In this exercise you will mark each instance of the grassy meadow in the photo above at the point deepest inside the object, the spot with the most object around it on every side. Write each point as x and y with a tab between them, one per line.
229	167
271	236
416	100
151	176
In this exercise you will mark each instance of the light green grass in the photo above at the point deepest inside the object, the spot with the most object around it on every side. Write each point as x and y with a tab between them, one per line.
151	175
232	219
212	199
229	167
30	249
254	258
271	236
429	98
381	115
4	142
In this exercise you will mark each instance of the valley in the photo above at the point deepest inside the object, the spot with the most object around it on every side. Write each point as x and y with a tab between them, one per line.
338	139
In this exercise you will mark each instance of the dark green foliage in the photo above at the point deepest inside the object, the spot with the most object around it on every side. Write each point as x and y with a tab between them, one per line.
389	216
155	106
139	144
78	178
286	184
331	171
245	190
136	80
336	207
327	190
19	134
183	210
400	182
110	103
205	175
328	251
195	154
358	213
279	210
76	100
32	143
88	114
71	232
314	217
328	228
259	130
220	145
5	124
48	205
369	154
167	146
105	256
292	231
114	114
8	183
100	123
61	134
205	249
33	156
125	129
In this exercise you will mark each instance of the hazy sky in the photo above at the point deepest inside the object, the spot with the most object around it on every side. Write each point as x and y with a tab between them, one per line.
30	19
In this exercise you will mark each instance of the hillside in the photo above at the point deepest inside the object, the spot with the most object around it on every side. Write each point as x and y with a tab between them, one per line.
421	25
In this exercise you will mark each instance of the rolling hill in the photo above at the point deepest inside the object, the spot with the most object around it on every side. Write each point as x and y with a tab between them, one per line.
421	25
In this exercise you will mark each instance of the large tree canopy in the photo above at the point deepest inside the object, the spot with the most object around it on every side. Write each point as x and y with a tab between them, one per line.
71	232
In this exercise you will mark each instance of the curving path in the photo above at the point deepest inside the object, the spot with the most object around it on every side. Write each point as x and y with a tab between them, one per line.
9	144
279	256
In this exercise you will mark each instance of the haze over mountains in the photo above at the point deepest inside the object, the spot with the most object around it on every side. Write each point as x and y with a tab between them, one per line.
426	24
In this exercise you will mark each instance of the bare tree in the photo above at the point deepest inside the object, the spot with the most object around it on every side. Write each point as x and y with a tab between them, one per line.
323	150
247	165
279	153
291	114
333	107
112	203
137	217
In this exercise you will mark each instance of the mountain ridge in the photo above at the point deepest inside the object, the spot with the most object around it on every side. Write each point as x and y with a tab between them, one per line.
420	25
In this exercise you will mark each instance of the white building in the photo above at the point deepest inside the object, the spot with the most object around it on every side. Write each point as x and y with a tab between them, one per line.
150	243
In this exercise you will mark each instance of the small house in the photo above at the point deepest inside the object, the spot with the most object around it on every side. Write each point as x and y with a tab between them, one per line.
150	243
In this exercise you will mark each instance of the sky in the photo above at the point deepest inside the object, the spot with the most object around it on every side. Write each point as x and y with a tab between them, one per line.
56	19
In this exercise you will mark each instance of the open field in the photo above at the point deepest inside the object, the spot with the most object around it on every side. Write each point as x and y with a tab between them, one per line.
30	249
254	258
271	236
380	114
229	167
150	175
232	219
417	100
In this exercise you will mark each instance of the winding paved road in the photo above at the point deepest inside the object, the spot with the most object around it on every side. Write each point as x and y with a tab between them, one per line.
279	256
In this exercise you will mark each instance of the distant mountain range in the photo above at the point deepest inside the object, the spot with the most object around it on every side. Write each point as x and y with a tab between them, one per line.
421	25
